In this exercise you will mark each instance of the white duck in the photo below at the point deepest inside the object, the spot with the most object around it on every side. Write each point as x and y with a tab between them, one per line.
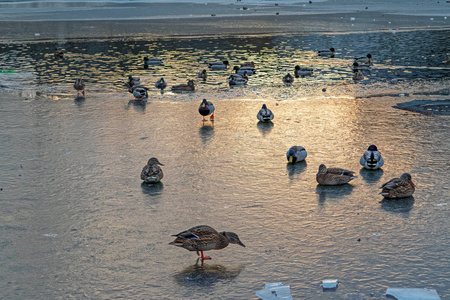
372	159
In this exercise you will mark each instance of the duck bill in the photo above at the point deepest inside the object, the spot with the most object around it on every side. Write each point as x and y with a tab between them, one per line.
240	243
291	158
412	183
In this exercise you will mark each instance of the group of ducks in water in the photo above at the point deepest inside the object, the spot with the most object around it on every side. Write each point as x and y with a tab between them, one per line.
239	77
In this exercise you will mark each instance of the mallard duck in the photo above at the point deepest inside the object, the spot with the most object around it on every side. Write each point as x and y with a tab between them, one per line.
133	81
333	176
288	79
248	64
398	187
152	61
358	75
140	93
58	53
152	173
360	66
365	60
236	79
296	154
202	74
79	86
203	238
265	114
372	159
190	86
206	108
326	52
243	70
301	72
217	65
161	84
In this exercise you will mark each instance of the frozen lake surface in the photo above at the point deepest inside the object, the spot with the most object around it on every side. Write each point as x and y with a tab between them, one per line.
76	222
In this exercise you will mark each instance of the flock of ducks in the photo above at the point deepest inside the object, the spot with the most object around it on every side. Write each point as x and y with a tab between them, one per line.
203	237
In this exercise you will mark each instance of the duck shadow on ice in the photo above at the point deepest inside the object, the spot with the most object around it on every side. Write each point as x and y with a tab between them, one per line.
325	192
206	274
401	205
295	169
79	101
138	106
206	133
264	127
153	189
371	176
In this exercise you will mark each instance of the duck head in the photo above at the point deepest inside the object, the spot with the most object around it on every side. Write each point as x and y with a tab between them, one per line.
236	68
407	177
372	148
332	50
154	161
297	67
264	106
322	169
292	159
369	56
232	238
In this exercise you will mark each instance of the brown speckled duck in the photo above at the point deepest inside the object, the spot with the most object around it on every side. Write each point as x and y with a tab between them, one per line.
189	87
398	187
203	238
152	173
333	176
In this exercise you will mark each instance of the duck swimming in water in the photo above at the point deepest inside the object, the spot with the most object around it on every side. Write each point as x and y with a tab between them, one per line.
302	72
161	84
288	79
204	238
326	52
189	87
217	65
202	74
133	81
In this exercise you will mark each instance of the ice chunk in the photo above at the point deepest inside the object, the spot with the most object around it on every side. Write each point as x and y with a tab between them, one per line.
330	283
275	291
412	294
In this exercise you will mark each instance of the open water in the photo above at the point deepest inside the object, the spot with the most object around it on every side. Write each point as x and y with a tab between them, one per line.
76	222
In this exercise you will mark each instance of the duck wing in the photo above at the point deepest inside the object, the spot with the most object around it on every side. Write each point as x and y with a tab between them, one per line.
339	172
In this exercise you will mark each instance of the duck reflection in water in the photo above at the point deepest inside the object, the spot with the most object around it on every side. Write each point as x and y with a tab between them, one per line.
295	169
206	133
371	176
207	275
265	127
152	189
402	205
332	191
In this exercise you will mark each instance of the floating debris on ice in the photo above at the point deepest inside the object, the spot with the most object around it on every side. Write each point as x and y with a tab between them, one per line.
275	291
412	294
330	283
441	204
51	235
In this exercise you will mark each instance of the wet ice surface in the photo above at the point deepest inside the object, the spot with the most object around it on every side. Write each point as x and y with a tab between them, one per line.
78	223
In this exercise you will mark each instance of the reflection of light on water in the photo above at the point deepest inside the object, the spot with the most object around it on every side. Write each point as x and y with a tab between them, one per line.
207	274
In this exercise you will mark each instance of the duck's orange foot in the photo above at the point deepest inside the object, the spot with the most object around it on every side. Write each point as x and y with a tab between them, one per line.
212	117
83	92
